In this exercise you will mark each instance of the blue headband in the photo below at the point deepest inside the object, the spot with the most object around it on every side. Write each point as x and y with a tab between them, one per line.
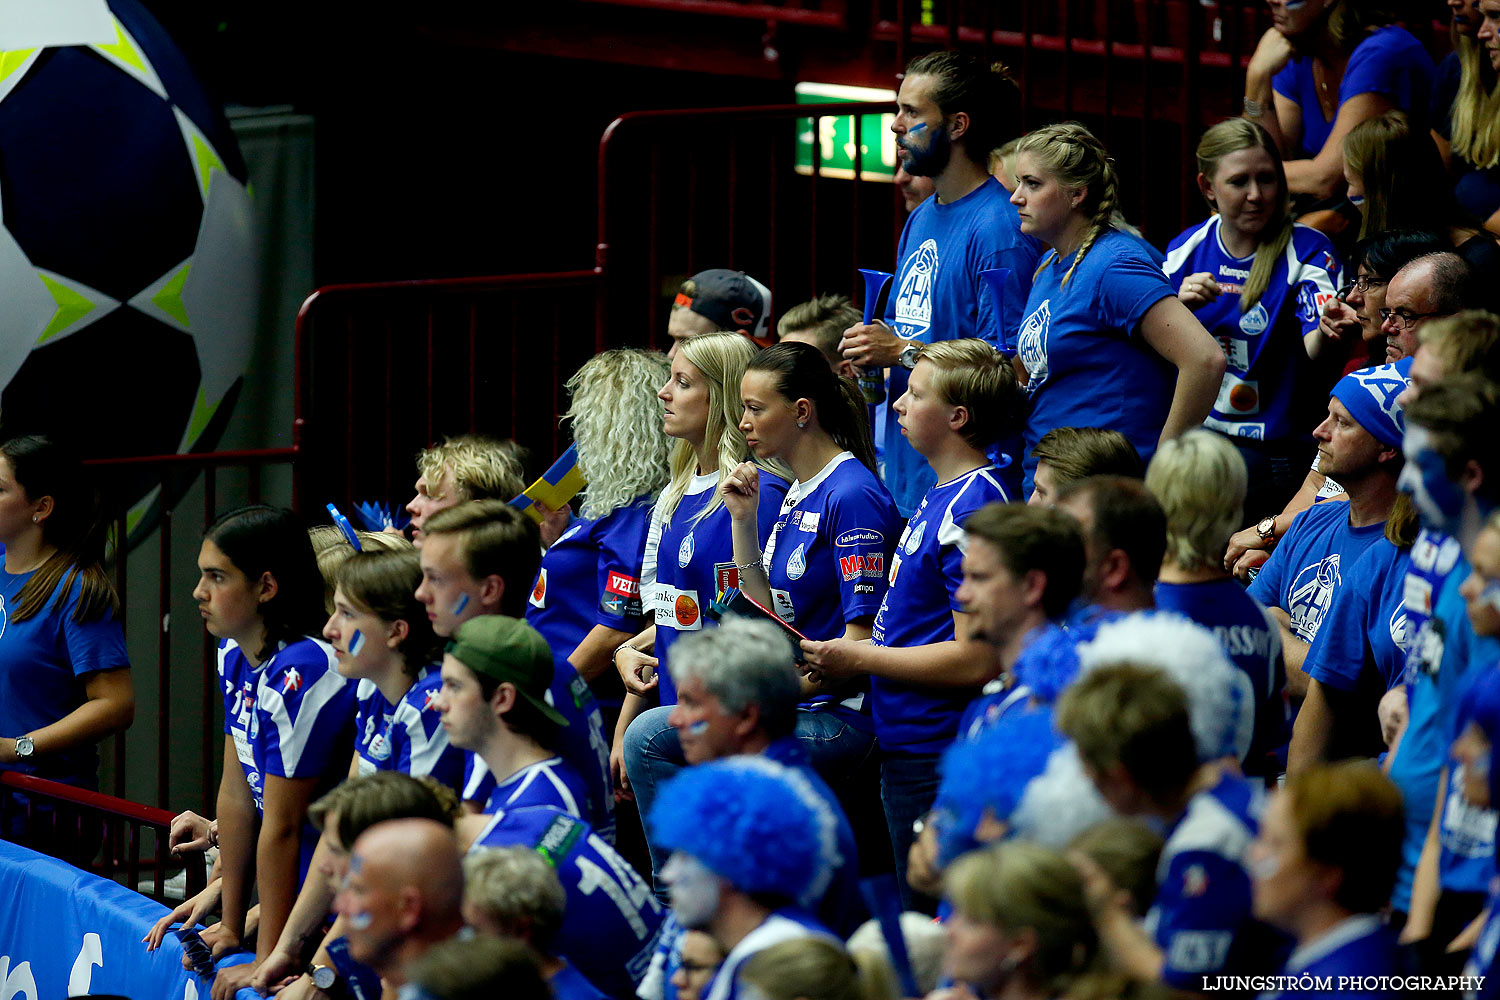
1370	397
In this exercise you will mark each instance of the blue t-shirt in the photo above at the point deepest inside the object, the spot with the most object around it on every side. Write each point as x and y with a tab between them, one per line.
592	576
688	561
1482	958
1267	392
926	571
569	984
1307	567
1359	946
1082	347
581	746
1201	913
1367	631
611	918
44	663
1466	838
1252	641
408	736
1438	661
549	782
827	555
937	294
1389	62
291	717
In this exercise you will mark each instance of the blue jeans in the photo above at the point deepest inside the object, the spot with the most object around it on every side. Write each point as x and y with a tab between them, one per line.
653	754
908	787
843	753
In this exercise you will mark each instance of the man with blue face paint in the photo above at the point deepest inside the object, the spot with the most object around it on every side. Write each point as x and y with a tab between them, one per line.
1452	468
951	111
754	846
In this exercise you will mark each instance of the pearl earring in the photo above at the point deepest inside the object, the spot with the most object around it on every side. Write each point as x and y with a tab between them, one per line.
802	423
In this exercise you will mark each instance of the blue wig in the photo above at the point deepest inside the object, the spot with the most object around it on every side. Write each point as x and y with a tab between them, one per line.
1049	664
991	772
754	822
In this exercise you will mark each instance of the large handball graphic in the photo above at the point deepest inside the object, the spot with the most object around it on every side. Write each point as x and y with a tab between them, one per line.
128	269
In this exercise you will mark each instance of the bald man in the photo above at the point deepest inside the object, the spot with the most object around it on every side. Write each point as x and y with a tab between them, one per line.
402	895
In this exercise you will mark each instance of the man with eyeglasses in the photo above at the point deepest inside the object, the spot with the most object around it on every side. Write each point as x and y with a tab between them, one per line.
1435	284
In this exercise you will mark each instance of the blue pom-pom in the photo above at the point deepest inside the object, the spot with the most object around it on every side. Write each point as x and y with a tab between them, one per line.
991	772
1048	665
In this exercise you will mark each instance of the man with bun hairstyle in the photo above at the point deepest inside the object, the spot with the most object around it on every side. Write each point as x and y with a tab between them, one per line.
950	112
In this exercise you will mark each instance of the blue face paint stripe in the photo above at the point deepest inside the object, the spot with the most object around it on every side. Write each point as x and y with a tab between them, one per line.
361	920
356	642
698	728
460	605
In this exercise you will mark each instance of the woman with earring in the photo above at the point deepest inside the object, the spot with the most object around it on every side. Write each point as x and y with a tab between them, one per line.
1257	282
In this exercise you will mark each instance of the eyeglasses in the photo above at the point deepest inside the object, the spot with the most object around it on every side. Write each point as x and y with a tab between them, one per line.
1363	283
1404	319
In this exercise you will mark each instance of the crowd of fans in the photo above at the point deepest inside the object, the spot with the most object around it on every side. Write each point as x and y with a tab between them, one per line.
1145	629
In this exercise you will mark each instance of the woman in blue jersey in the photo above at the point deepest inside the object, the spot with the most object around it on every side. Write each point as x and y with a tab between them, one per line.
64	675
689	550
1105	340
587	597
1258	283
1321	69
823	570
288	715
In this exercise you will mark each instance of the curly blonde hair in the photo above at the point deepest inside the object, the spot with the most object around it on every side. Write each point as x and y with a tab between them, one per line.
617	425
722	358
480	467
1072	154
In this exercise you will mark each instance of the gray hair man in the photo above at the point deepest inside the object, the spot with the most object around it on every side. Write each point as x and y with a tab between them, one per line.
1434	284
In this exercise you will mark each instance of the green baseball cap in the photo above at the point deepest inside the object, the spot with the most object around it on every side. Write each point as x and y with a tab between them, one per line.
509	650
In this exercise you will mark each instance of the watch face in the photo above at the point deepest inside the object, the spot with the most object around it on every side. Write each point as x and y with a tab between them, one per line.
24	746
323	976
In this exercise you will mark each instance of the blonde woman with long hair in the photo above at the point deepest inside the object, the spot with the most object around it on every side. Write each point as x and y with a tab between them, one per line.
1466	110
586	600
1257	281
1105	336
689	554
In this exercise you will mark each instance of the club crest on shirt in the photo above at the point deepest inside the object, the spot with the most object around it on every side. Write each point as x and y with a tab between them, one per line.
1311	594
685	551
429	701
914	291
1255	320
292	682
1400	628
797	564
914	538
1031	344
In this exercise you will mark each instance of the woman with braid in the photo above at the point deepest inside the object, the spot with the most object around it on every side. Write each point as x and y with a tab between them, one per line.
1105	336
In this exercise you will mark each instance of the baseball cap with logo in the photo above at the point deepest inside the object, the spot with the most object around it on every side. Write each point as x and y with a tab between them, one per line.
731	300
508	650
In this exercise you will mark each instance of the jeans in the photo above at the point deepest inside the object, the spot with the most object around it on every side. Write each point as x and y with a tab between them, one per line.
908	787
653	754
843	754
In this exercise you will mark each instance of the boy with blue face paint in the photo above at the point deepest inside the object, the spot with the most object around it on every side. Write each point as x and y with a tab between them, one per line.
1450	449
480	558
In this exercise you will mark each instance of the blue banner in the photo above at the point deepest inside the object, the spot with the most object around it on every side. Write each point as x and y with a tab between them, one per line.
65	933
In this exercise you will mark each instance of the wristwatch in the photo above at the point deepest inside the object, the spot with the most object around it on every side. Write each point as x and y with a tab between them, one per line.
323	976
1266	529
908	357
24	748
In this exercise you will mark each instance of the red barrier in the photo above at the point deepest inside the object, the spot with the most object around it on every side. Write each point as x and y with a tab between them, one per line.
53	812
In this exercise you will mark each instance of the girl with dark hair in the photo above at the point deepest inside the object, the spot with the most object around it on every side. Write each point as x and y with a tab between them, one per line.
64	675
288	716
823	570
1257	282
1321	69
1106	342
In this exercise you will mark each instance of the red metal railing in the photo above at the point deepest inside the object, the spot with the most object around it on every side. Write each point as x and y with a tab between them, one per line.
51	813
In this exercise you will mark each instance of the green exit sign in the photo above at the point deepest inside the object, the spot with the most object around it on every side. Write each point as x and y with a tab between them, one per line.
830	140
